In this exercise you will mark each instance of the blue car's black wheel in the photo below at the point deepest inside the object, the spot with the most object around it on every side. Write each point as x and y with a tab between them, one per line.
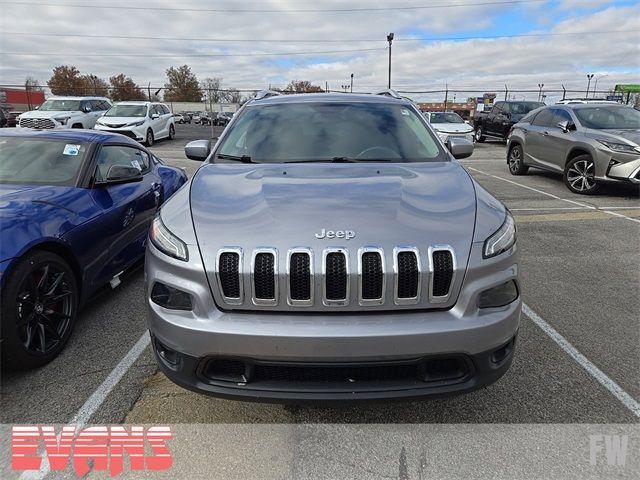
39	306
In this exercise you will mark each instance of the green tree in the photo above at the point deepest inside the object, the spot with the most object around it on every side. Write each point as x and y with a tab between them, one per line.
124	88
182	85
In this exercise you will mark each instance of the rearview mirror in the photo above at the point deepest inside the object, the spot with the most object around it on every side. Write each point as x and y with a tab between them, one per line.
118	174
460	147
198	150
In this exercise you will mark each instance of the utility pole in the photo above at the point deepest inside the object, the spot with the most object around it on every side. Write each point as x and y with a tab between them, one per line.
352	83
446	95
390	40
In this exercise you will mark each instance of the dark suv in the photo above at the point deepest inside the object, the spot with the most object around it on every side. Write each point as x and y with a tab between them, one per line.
498	121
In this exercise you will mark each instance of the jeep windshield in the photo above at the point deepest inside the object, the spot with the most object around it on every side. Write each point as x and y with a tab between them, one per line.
329	132
60	106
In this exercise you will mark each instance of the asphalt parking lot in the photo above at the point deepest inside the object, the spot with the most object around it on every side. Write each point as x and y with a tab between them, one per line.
580	259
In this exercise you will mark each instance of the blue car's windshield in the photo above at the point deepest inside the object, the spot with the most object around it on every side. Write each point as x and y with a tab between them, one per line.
40	161
325	132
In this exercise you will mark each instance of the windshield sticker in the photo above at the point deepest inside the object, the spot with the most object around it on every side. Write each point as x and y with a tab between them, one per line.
404	111
72	150
136	164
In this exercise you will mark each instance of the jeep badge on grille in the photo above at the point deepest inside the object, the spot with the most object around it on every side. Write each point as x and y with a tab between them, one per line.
346	234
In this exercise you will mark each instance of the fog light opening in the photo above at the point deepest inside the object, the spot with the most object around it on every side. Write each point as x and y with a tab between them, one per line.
168	355
170	297
438	369
499	296
227	370
499	355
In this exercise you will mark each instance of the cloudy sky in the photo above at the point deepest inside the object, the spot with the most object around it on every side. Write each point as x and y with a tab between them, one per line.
465	44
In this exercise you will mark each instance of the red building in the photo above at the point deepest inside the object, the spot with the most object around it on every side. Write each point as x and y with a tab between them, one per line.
21	100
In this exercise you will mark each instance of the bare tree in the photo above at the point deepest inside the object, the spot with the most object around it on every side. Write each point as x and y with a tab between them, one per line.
210	87
32	84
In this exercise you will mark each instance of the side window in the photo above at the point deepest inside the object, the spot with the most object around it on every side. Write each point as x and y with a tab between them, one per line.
165	109
544	118
497	108
561	116
85	104
111	155
96	105
505	108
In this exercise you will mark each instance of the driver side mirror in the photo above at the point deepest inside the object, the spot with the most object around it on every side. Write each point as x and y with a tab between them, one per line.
118	174
198	150
566	126
37	107
155	115
86	109
460	147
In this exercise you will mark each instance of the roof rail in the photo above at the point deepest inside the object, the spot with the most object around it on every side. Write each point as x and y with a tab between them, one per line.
389	93
265	94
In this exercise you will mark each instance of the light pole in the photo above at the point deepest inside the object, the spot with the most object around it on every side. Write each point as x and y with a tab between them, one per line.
390	40
595	86
540	85
345	87
352	83
589	76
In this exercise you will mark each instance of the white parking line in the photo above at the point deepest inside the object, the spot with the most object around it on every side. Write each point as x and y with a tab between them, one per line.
546	208
584	205
96	399
602	378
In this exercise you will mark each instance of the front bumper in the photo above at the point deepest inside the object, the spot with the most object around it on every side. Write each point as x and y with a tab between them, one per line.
444	136
137	133
282	341
617	167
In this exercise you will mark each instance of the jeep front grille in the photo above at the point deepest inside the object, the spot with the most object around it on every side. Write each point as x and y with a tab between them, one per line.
342	280
37	123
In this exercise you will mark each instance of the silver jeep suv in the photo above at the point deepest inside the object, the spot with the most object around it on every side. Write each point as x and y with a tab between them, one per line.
589	144
331	248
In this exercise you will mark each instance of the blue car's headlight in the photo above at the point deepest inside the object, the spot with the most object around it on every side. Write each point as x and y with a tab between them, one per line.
167	242
502	240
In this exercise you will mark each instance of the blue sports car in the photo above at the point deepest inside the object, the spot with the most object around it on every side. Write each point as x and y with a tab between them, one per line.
75	208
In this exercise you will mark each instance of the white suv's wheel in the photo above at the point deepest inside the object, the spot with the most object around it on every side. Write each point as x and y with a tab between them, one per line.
149	138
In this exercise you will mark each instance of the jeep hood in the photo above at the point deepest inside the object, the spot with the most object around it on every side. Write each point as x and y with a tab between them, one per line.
284	206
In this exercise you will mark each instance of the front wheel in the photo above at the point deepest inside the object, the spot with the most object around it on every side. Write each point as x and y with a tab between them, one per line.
580	175
39	308
149	138
516	163
172	132
479	134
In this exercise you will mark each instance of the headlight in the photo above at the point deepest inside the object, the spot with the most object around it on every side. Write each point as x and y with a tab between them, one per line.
167	242
135	124
502	240
498	296
62	120
620	147
99	122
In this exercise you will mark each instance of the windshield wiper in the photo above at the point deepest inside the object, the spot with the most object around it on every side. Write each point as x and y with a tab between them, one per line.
235	158
329	160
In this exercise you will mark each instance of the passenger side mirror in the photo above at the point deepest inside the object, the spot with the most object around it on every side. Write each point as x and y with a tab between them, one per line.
37	107
155	115
198	150
86	109
118	174
460	147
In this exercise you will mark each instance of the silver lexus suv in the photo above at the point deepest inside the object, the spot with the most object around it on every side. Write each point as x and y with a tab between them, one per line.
331	248
589	144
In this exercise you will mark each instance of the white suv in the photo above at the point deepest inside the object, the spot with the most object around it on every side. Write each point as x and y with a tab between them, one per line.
65	112
142	121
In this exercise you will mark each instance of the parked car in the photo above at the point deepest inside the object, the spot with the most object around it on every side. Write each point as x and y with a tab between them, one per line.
143	121
331	249
570	101
195	118
497	122
223	118
65	112
178	118
449	124
187	116
588	144
75	211
205	118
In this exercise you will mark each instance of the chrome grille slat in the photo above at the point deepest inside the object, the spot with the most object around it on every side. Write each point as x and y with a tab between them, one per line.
382	279
37	123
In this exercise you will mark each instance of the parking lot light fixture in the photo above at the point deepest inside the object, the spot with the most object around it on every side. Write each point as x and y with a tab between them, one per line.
352	83
390	40
540	86
589	77
595	86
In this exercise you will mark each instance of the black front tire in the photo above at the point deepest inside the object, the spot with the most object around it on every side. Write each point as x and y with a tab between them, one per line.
479	134
149	138
172	132
515	160
39	309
